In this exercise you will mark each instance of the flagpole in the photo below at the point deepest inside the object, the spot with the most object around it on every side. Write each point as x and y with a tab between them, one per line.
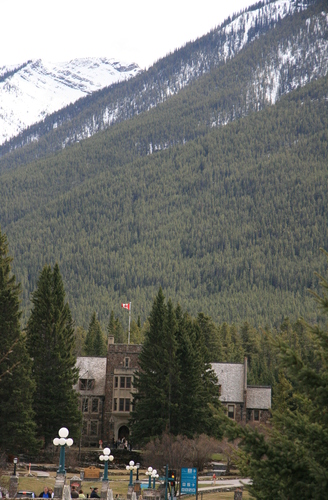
129	321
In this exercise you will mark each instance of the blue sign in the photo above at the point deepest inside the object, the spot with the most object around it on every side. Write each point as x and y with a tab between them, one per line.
188	482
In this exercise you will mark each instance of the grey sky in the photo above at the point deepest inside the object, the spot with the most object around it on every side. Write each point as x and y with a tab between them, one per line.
140	31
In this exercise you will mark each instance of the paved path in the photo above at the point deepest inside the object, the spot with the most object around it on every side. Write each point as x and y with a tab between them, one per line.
221	484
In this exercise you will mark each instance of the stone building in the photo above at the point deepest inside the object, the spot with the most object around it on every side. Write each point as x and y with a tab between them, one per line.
106	393
244	403
91	388
122	362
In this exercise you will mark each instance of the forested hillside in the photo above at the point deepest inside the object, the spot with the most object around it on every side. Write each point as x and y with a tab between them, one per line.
229	223
251	60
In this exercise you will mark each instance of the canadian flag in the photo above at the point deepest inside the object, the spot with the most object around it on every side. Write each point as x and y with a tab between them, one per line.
126	306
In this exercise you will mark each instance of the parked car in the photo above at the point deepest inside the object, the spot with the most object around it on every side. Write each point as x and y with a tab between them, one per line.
27	494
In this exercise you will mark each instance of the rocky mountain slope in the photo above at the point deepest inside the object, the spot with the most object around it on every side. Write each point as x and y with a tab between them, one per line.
305	46
35	89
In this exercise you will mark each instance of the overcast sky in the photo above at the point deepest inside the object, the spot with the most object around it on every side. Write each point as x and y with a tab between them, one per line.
140	31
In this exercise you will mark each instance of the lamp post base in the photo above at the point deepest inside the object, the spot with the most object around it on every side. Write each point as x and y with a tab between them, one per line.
13	486
59	485
104	489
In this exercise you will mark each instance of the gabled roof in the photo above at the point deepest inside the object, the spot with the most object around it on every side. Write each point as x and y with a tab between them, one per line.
258	397
231	380
92	368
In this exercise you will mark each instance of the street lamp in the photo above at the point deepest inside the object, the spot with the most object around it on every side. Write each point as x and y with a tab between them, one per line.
137	467
154	475
131	468
62	442
15	463
149	473
104	458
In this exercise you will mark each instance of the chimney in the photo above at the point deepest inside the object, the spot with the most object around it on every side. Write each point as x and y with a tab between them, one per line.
245	373
245	384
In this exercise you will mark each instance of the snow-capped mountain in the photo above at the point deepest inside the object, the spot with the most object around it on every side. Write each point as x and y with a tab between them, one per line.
37	88
296	54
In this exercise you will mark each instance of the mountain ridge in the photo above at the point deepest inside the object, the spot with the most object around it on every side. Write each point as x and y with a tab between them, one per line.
32	90
164	79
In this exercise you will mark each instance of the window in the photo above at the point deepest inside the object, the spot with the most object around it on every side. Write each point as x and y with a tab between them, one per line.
93	428
116	381
249	415
115	404
85	405
128	382
127	405
95	405
127	362
122	382
231	411
121	404
257	415
86	384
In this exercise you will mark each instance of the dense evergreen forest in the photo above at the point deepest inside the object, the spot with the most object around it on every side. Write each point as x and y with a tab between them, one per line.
214	195
229	224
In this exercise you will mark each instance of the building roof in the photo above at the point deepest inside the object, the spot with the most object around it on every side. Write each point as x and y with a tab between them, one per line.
231	380
258	397
92	368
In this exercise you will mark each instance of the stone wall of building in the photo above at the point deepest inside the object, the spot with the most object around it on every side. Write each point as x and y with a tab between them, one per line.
122	362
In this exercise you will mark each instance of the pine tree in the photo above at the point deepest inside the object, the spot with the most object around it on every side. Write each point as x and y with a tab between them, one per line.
175	384
292	462
16	385
95	344
198	383
152	402
115	329
211	337
50	338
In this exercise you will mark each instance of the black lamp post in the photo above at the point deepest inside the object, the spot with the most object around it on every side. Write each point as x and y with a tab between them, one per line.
15	463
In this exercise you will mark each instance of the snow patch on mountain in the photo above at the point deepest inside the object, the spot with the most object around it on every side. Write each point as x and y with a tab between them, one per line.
230	39
33	90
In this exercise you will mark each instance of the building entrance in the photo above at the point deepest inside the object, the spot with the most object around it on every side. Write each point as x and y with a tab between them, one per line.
123	433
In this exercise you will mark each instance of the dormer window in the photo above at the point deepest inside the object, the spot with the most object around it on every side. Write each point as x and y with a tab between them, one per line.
127	362
86	384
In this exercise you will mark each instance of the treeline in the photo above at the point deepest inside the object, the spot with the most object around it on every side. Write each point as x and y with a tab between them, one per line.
224	343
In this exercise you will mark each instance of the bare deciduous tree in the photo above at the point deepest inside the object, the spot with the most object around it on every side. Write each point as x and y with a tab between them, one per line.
179	451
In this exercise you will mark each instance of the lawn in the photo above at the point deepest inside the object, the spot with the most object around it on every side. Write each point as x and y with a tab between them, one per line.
118	482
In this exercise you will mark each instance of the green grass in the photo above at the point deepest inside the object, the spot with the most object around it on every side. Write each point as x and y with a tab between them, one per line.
118	483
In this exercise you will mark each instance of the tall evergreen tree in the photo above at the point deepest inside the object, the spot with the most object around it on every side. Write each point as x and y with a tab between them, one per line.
50	338
115	329
292	462
95	344
198	383
16	385
175	383
151	413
